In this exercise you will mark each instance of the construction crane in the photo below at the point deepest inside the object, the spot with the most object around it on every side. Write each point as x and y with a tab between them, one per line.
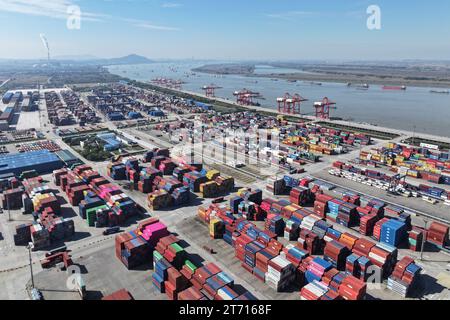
323	108
210	91
290	104
246	97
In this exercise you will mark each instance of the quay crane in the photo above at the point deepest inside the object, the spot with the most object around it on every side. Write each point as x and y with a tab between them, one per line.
323	108
210	91
290	104
246	97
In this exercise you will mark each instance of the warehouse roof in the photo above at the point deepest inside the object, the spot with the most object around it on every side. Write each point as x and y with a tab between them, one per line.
41	161
66	156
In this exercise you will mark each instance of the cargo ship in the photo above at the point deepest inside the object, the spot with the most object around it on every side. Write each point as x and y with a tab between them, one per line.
394	87
440	92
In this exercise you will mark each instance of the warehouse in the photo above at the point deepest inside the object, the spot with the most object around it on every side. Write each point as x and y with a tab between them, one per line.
43	161
68	158
111	141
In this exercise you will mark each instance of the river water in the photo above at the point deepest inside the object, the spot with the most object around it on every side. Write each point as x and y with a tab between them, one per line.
416	107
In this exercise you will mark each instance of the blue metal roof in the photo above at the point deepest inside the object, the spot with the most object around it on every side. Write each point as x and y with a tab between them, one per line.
41	161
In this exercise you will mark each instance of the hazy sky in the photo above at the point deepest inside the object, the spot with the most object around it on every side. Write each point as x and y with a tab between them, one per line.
227	29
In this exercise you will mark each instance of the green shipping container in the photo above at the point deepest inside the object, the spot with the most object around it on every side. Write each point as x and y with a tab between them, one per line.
157	256
176	247
91	215
191	266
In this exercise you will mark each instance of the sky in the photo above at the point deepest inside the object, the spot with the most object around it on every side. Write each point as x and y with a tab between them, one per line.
227	29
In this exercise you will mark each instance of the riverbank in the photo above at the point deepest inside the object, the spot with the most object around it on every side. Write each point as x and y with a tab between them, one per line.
373	75
222	105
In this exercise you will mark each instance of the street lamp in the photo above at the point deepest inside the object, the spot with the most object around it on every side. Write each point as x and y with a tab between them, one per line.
8	207
30	246
423	240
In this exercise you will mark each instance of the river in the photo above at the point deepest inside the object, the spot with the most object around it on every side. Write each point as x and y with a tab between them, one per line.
416	107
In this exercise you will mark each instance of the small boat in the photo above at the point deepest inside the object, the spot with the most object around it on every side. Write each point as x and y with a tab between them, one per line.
316	83
394	87
440	92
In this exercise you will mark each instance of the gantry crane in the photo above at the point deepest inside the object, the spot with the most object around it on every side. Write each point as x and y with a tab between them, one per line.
210	91
323	108
290	104
246	97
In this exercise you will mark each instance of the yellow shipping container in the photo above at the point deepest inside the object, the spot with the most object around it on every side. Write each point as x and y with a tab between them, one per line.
212	174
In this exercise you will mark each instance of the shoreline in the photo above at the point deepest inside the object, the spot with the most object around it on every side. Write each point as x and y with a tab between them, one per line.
362	126
355	79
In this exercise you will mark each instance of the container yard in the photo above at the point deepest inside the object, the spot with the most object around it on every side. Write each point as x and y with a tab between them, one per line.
273	222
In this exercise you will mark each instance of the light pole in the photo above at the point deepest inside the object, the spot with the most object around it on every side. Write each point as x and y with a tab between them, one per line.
8	207
423	240
30	247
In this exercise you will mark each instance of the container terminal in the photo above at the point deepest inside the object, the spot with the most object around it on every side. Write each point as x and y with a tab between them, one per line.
151	194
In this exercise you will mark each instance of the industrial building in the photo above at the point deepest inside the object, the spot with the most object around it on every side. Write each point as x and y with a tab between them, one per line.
68	158
42	161
111	141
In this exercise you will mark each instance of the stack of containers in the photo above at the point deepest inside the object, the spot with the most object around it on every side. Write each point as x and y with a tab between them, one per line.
188	269
291	231
333	209
416	238
181	196
404	277
383	257
310	242
276	186
90	201
377	228
294	255
191	294
352	288
300	195
117	171
234	204
170	184
160	276
175	283
321	205
332	235
347	215
23	234
193	180
393	232
159	199
336	253
281	274
262	263
314	290
348	240
275	224
39	236
12	199
251	249
216	228
57	175
146	179
167	166
201	275
367	224
317	269
216	283
179	172
352	266
437	234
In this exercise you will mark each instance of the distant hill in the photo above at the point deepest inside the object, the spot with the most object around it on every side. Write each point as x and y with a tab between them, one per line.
130	59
